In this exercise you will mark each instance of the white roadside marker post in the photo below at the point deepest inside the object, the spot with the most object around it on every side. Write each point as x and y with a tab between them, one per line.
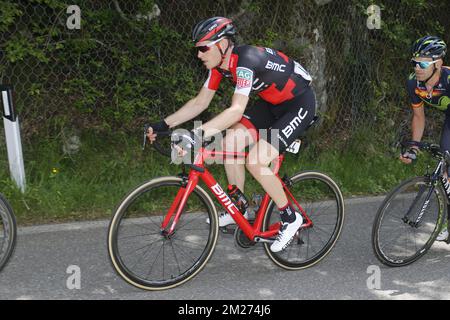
12	133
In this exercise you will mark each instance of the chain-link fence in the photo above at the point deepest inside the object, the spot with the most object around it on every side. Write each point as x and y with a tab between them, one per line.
132	60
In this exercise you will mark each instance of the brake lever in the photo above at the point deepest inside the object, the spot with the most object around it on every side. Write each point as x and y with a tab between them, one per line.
175	139
146	126
406	145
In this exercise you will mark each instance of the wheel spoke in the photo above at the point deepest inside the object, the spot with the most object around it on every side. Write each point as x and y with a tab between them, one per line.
141	248
175	256
141	258
156	259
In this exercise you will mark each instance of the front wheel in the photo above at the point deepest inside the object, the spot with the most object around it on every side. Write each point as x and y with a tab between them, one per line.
397	239
148	257
322	201
8	230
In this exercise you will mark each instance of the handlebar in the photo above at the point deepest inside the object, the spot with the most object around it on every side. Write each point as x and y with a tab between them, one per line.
164	150
432	148
156	144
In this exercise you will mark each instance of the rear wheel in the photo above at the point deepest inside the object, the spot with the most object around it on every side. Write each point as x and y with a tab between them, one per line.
322	201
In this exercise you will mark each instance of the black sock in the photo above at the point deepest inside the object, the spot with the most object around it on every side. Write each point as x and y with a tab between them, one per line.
287	214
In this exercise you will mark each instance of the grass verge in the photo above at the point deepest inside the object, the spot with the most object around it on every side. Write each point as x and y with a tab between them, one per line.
88	185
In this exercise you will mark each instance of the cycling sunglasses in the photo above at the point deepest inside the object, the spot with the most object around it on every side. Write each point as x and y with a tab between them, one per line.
207	47
422	64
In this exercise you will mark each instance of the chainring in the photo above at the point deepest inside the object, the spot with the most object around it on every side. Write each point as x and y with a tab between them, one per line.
241	239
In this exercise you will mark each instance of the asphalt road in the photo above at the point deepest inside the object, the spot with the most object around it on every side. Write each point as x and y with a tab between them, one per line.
39	268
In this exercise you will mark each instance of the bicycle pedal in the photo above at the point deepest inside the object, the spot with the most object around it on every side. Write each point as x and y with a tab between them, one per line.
264	240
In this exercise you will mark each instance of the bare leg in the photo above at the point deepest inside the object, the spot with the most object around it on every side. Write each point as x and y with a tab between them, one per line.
237	138
258	160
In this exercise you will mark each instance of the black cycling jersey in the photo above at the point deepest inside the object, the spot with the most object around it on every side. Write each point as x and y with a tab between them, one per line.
269	73
439	98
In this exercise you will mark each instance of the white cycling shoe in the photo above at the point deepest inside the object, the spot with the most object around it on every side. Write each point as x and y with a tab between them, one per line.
286	234
226	219
443	235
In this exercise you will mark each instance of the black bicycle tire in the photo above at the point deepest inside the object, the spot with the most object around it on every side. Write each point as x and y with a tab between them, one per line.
113	227
380	213
341	217
12	229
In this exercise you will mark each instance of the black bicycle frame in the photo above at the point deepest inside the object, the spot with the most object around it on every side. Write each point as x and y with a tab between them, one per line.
446	186
437	174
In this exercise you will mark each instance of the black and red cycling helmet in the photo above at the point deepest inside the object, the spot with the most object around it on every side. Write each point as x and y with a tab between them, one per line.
213	29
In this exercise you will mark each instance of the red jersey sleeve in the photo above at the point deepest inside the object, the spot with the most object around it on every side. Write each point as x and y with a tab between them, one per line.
213	81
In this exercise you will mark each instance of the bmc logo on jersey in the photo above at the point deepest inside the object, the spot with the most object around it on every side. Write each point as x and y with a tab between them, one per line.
294	123
275	66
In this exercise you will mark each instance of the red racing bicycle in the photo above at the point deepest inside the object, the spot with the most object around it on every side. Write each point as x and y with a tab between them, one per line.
158	237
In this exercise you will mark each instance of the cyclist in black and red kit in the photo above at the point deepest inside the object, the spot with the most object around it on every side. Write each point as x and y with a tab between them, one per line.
286	108
429	86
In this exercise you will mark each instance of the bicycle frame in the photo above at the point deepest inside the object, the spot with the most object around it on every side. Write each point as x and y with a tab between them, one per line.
434	177
199	172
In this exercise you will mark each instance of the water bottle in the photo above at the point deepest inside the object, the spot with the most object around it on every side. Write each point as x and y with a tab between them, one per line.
257	199
238	198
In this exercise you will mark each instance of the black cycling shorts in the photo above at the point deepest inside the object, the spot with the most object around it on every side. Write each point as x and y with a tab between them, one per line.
284	122
445	135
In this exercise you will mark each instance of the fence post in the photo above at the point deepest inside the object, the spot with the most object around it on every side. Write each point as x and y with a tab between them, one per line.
12	133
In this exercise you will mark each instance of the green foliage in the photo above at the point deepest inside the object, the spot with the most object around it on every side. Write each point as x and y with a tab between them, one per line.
110	81
114	74
8	14
53	4
19	49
